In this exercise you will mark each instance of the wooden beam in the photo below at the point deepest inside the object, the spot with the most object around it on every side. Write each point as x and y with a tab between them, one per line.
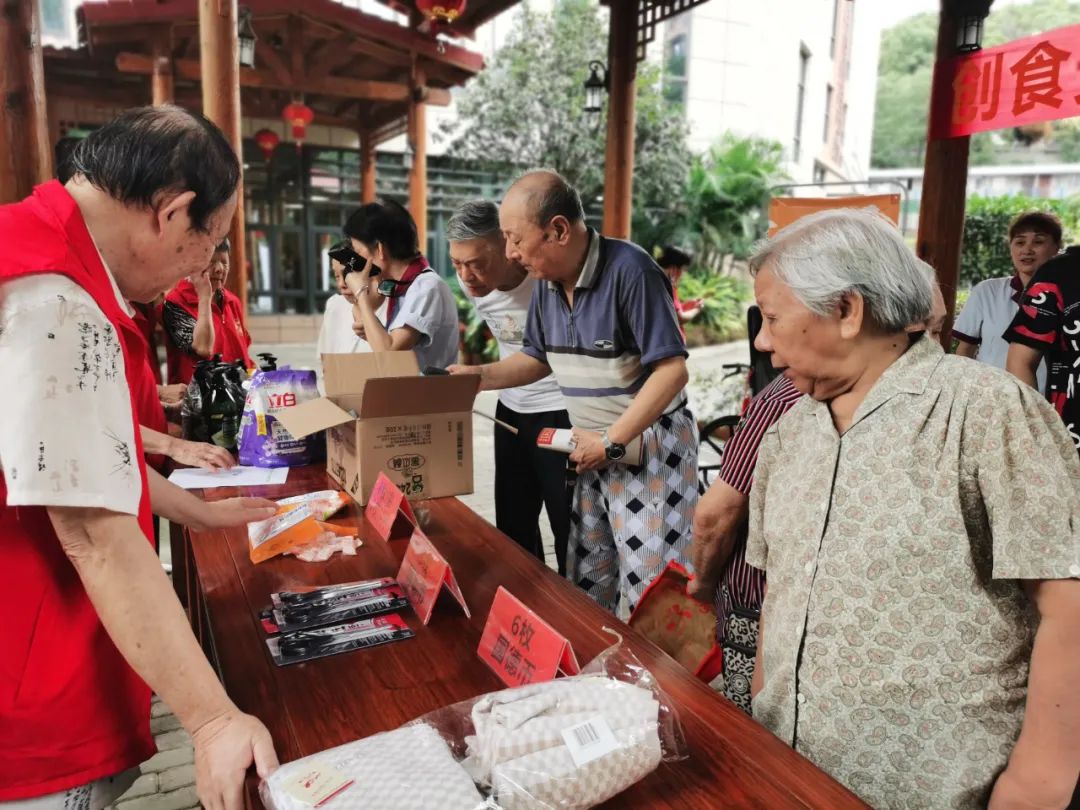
272	59
344	106
941	209
162	88
418	171
619	160
332	55
367	167
25	150
190	70
295	39
219	54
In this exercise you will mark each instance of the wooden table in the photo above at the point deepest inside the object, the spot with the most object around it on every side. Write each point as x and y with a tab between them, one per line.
316	705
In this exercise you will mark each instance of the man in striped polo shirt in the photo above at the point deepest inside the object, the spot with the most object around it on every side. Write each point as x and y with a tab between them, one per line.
603	322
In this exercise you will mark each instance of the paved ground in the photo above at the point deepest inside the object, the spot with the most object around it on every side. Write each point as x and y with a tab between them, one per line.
168	780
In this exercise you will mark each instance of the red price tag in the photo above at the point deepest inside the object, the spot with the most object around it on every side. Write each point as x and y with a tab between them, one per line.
423	573
520	646
386	506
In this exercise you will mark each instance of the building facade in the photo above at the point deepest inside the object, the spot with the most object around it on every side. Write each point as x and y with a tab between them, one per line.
799	72
1051	181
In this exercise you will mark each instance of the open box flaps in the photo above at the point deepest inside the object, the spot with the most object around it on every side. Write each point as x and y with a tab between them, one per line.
310	417
413	396
347	373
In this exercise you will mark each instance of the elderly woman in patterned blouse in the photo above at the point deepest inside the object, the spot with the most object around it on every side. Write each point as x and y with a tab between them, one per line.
909	513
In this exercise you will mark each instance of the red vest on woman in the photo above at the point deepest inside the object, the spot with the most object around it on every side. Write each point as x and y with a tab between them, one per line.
71	709
231	340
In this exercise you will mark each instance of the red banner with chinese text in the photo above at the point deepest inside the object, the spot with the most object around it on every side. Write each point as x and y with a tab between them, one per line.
1026	81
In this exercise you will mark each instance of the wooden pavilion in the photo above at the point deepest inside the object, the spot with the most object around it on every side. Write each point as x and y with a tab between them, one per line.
354	70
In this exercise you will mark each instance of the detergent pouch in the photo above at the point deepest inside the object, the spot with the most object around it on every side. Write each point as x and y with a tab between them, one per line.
264	441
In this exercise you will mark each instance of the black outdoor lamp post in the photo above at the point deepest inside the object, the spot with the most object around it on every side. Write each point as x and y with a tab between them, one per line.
595	87
245	36
969	16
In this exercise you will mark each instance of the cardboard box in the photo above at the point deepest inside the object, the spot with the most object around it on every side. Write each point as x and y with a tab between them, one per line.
381	415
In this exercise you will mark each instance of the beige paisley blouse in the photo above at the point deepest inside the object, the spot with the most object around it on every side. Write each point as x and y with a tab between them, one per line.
896	633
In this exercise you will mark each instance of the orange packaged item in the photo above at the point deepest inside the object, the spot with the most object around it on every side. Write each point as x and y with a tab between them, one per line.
298	521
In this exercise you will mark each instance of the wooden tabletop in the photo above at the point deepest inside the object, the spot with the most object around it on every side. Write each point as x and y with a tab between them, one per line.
316	705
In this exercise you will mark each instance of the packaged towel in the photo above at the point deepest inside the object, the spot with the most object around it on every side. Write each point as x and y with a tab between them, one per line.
569	743
410	768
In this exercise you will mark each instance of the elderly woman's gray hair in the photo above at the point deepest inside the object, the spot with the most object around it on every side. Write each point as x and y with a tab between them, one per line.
825	255
475	219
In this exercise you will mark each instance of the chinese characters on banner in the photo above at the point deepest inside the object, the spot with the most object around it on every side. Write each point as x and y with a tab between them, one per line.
1026	81
423	573
520	647
386	507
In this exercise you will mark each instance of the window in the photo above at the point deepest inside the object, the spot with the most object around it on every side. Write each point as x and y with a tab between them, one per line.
828	111
835	25
675	70
819	173
804	68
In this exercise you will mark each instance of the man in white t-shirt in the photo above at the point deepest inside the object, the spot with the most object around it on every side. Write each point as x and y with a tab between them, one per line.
1034	238
525	475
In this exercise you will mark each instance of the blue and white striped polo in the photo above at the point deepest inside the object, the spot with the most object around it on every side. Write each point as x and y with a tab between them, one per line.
623	320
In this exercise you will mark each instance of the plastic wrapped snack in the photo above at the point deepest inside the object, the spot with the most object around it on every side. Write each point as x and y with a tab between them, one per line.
298	522
411	768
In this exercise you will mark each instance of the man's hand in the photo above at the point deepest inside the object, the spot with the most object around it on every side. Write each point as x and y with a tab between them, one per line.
224	749
200	454
1018	791
457	368
172	396
235	512
590	453
201	282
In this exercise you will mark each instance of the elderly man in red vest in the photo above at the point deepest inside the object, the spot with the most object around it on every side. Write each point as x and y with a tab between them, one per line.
90	621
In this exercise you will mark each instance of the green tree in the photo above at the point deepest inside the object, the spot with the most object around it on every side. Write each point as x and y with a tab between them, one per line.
904	73
525	110
726	194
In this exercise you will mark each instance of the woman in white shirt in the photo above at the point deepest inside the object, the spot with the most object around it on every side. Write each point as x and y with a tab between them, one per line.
420	311
341	332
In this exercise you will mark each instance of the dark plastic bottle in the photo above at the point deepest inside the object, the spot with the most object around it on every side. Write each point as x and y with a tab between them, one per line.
224	410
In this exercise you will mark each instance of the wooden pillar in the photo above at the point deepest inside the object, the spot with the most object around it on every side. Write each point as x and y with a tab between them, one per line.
418	143
25	149
367	167
941	210
219	61
619	160
161	80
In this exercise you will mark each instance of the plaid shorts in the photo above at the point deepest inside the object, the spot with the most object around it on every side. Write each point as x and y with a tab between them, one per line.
629	522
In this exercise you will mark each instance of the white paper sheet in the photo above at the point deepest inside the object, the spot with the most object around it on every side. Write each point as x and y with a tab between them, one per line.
236	477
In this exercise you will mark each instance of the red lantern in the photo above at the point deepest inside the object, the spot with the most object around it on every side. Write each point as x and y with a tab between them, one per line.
298	116
267	140
441	12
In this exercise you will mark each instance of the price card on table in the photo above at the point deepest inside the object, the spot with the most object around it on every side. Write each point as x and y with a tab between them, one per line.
424	572
520	646
388	507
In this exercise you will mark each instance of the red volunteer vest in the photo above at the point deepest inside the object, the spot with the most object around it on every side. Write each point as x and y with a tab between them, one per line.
231	340
146	319
71	709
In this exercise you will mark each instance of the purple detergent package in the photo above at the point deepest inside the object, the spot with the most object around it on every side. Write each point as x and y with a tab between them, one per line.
264	441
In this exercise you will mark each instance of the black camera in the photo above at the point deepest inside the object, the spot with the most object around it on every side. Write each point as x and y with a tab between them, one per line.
352	261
